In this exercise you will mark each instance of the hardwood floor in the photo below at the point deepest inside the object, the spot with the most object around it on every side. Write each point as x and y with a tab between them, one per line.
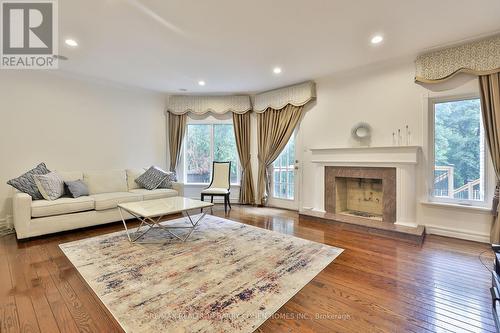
376	285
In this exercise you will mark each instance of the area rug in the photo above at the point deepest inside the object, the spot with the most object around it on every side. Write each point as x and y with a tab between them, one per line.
228	277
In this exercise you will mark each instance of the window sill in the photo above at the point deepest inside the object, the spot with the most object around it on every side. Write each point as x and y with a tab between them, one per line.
284	199
486	210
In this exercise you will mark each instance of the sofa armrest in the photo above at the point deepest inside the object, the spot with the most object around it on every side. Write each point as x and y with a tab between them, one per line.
179	187
21	208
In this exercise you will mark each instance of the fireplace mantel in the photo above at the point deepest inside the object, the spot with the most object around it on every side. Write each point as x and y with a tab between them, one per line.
371	155
404	158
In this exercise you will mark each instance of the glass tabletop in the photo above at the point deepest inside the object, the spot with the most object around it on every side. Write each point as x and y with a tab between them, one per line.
165	206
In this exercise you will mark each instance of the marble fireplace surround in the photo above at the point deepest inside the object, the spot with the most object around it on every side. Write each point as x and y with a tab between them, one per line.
404	159
387	175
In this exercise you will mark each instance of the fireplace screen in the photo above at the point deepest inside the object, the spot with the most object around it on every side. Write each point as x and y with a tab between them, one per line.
361	197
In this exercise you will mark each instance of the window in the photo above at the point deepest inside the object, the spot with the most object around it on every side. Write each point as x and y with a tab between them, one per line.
458	151
204	144
284	172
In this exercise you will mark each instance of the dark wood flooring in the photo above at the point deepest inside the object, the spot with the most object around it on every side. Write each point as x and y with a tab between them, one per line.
377	285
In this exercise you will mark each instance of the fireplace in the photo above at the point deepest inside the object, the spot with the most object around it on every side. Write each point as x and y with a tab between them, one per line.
361	192
362	197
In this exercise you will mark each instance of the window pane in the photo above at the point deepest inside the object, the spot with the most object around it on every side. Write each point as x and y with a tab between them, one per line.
276	176
276	188
198	162
284	172
284	158
225	148
283	191
458	150
283	177
291	148
277	162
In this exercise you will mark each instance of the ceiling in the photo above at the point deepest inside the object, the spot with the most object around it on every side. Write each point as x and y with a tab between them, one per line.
233	45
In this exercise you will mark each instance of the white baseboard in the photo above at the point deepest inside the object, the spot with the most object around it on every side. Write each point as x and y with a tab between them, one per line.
457	233
406	224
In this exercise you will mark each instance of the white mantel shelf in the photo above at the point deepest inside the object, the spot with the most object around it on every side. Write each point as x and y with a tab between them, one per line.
369	155
393	148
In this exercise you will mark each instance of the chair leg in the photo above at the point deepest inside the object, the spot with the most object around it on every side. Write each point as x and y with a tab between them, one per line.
229	202
202	199
225	204
212	199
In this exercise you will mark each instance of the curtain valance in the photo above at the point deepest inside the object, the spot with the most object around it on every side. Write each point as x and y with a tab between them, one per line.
181	104
478	58
297	95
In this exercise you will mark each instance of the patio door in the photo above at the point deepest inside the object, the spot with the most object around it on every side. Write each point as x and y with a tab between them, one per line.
285	177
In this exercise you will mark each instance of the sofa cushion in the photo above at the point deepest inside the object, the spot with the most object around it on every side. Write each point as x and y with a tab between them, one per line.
168	182
215	190
76	188
106	181
155	194
51	185
41	208
26	183
152	178
105	201
132	175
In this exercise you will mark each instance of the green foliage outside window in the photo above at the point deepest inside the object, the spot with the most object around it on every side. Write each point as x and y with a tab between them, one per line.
458	139
199	152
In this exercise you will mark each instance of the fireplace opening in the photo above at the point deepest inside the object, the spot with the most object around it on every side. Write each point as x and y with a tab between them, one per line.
360	197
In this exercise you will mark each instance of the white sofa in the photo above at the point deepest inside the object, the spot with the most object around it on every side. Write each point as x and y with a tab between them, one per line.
106	190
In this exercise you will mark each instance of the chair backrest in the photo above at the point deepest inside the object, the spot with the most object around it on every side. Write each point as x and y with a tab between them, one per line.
221	175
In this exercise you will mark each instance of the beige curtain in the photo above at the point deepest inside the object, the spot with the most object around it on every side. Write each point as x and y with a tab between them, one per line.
275	127
490	105
241	126
176	131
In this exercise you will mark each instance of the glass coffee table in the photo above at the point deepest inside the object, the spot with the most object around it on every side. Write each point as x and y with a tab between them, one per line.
151	212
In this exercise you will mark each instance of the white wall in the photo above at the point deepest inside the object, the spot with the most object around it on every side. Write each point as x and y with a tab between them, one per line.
387	98
73	124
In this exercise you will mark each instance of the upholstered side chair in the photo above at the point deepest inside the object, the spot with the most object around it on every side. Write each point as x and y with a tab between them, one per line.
220	186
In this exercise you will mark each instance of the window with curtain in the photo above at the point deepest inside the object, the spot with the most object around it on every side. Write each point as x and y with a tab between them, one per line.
283	176
459	155
204	144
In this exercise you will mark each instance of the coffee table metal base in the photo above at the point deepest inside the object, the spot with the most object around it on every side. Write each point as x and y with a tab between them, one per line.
154	223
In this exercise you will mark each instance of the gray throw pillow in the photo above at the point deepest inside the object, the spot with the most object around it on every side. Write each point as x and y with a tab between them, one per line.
152	178
167	183
51	185
26	183
76	188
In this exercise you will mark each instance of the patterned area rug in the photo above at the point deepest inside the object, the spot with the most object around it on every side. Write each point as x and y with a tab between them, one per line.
228	277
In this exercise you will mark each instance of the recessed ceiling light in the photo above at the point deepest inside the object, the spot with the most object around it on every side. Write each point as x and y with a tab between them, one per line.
277	70
201	83
71	42
377	39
